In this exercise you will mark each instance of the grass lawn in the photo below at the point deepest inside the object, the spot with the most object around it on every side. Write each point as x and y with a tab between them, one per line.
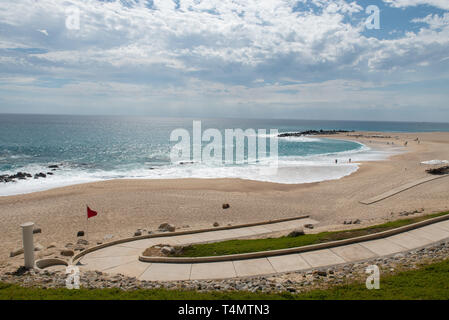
429	282
255	245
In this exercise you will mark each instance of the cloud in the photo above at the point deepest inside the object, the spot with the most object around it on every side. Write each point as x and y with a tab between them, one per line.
442	4
215	52
43	31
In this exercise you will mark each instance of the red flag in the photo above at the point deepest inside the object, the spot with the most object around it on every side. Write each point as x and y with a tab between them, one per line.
91	213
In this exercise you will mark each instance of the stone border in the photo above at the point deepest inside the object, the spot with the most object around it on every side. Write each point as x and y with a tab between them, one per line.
270	253
179	233
41	264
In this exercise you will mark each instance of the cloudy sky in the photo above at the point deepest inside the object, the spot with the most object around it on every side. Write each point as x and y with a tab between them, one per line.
305	59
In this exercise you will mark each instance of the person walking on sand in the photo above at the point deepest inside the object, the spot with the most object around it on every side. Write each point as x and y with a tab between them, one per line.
336	161
350	160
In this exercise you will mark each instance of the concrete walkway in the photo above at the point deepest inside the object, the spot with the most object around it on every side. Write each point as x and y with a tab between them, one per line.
123	258
400	189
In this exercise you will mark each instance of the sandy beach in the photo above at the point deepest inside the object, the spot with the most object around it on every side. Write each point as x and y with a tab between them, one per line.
127	205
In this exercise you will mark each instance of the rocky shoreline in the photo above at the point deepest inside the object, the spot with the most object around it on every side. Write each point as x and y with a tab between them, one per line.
293	282
25	175
312	133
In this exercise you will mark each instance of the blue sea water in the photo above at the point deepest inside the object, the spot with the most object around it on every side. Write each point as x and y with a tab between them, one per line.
93	148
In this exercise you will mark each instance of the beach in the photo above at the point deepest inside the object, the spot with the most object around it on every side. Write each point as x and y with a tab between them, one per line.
124	206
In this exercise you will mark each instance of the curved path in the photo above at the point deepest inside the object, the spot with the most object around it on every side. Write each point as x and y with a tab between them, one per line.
400	189
123	258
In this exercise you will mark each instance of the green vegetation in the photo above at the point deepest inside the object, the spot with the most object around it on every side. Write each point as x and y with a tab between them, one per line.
429	282
256	245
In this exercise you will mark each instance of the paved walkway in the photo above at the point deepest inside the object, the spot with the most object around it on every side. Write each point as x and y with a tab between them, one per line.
123	258
402	188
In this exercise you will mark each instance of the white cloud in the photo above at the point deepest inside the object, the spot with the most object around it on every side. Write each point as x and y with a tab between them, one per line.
443	4
43	31
225	51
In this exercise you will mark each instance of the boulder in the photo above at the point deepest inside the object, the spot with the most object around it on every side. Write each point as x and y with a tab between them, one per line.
216	224
53	166
83	242
226	206
357	221
308	226
38	247
167	227
80	234
37	230
51	245
167	250
296	233
16	252
67	253
137	233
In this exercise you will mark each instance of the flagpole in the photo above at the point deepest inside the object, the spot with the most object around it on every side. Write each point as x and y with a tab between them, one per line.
87	226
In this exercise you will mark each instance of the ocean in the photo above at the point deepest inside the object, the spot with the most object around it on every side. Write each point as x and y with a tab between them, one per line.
95	148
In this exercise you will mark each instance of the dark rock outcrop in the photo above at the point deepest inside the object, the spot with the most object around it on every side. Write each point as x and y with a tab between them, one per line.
311	133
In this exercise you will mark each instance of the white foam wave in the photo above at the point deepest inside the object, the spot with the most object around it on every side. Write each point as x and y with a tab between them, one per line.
286	170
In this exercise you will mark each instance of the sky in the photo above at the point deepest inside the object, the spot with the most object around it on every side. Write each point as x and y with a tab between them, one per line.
302	59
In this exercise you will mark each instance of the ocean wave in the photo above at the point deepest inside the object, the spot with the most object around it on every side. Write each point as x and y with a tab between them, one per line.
285	170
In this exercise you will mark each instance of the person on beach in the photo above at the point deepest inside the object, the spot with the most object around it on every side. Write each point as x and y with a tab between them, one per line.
350	160
336	161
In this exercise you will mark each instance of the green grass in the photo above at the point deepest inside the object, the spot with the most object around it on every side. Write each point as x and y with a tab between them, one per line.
429	282
256	245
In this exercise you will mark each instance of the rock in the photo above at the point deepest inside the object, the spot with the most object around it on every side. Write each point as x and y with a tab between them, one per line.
308	226
322	273
69	245
50	173
357	221
311	133
37	230
167	227
347	222
137	233
82	242
167	250
296	233
38	247
108	237
216	224
79	248
53	166
51	245
67	253
226	206
16	252
80	234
